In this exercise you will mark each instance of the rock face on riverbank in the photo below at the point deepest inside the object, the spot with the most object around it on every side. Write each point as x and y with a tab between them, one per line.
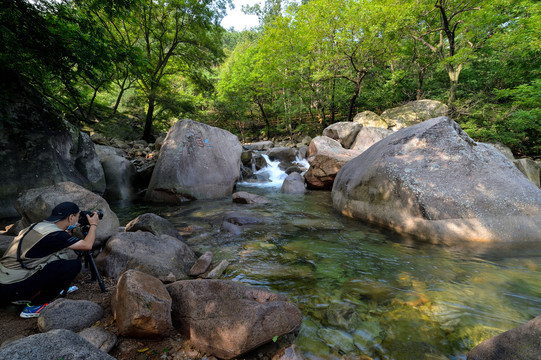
197	161
433	181
38	147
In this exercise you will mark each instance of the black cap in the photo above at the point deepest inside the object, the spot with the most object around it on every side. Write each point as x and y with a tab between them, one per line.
62	211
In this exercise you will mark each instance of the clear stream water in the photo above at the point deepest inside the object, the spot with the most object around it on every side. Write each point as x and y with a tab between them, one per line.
362	290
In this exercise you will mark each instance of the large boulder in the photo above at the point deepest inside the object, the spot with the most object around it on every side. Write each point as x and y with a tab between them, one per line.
36	204
368	136
227	319
433	181
413	113
141	306
53	345
197	161
38	147
519	343
344	132
370	119
146	252
326	156
119	175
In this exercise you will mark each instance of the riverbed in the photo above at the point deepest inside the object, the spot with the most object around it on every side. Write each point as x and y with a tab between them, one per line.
362	290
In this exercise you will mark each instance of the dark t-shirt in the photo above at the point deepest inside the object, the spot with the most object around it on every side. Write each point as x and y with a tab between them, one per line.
51	243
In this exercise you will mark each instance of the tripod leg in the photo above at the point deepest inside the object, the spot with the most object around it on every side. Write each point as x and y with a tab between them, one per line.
95	275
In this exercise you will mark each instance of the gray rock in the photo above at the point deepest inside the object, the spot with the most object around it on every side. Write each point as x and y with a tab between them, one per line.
368	136
413	113
119	176
293	184
503	149
202	264
74	315
104	151
259	146
343	132
370	119
99	337
218	271
141	306
37	145
431	180
36	204
146	252
99	139
519	343
284	154
88	163
243	197
235	318
197	161
529	168
53	345
154	224
326	156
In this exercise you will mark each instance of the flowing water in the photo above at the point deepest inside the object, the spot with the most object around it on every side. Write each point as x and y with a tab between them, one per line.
362	290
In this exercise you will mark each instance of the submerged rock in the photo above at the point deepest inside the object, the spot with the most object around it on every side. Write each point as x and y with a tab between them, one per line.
433	181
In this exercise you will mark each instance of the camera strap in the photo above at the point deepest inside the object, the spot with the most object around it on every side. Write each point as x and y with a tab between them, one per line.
19	248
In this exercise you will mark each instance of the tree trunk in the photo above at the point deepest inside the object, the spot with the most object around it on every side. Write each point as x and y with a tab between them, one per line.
421	77
119	97
147	134
454	73
264	118
333	107
352	101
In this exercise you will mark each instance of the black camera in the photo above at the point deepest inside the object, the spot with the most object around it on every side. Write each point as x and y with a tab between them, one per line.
83	221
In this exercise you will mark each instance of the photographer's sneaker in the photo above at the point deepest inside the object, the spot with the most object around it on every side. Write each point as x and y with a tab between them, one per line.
32	311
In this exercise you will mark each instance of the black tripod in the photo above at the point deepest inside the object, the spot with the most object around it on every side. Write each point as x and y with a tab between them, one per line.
89	262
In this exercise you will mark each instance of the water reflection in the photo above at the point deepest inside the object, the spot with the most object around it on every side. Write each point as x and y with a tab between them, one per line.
361	289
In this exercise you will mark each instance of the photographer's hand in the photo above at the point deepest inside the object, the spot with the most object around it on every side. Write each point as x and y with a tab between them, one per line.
88	241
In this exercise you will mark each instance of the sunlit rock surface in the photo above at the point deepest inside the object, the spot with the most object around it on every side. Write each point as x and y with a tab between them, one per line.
197	161
433	181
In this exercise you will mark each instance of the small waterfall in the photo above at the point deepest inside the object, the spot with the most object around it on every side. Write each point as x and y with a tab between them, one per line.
272	175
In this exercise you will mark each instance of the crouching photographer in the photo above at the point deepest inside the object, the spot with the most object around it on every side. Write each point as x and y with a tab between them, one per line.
35	268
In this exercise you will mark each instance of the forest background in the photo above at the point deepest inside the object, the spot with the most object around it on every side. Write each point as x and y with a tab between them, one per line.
131	68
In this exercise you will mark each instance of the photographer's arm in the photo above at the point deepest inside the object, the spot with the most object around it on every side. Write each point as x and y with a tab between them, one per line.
88	241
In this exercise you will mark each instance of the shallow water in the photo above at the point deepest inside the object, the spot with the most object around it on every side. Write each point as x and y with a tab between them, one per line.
361	289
